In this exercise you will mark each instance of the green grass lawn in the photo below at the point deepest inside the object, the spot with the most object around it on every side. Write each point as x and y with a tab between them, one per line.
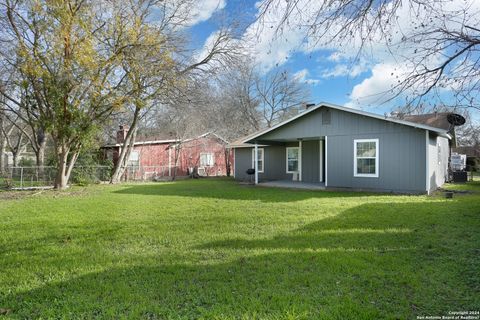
213	249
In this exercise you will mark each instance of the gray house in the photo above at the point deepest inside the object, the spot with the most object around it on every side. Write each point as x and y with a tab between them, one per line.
337	147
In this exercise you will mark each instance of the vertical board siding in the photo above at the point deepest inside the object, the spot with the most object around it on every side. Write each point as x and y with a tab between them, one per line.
438	162
274	166
310	161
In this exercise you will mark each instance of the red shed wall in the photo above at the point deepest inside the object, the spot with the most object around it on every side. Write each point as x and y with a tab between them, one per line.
155	157
153	154
190	155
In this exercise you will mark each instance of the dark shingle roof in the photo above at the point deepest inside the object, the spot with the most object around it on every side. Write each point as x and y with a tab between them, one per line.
436	120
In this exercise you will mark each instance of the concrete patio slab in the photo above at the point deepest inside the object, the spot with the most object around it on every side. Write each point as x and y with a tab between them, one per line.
293	184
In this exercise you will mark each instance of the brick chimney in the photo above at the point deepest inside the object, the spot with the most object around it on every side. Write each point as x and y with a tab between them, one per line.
122	133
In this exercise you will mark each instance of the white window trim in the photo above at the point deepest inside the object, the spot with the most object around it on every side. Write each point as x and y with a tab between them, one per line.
129	162
262	159
207	153
286	159
377	156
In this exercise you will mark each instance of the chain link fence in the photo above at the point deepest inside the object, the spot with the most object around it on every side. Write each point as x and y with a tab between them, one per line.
44	177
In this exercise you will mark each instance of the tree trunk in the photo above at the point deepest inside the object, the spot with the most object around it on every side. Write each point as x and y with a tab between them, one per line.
127	148
177	149
60	181
15	158
227	162
65	166
3	148
40	158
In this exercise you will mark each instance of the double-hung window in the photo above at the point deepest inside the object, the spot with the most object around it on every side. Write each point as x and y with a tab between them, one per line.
366	158
260	157
293	159
134	159
206	159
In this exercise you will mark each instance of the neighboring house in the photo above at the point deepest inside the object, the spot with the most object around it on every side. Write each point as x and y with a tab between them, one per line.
473	156
339	147
208	154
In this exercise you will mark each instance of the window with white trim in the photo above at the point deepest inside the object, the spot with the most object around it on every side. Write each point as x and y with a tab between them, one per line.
206	159
134	159
260	157
365	158
293	157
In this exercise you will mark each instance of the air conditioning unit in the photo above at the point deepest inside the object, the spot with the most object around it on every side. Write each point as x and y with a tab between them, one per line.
201	171
295	176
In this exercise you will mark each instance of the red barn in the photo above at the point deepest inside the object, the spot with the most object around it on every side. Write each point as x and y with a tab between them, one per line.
207	155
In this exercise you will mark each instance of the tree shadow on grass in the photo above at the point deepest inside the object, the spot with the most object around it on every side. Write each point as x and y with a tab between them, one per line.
368	262
87	234
229	190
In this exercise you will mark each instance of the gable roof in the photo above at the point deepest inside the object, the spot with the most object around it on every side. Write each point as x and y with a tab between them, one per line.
168	141
141	143
440	131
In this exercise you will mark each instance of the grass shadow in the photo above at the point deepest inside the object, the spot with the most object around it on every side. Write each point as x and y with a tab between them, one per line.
217	188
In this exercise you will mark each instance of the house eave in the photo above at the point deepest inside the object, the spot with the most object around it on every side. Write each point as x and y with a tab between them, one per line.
350	110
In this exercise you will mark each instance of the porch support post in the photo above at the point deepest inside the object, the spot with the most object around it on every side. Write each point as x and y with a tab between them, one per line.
320	160
427	162
299	160
255	162
326	161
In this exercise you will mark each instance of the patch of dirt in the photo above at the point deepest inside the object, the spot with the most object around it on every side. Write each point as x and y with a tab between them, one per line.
22	194
13	195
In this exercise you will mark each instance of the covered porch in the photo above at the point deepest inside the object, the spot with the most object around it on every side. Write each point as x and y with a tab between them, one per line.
293	163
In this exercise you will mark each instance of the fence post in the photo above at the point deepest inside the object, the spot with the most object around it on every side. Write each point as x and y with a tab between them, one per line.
21	177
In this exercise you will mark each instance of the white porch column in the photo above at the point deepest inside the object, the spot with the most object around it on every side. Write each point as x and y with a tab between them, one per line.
299	160
326	161
427	162
320	160
255	162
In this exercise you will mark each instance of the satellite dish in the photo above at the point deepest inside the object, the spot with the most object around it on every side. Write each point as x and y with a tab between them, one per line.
455	119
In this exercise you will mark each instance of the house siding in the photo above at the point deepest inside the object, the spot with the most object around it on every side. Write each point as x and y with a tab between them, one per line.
310	161
438	154
402	151
274	167
401	162
341	123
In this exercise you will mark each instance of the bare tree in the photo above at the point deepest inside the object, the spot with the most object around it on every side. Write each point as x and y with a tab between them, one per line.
436	42
5	131
469	133
14	134
239	100
23	106
280	96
